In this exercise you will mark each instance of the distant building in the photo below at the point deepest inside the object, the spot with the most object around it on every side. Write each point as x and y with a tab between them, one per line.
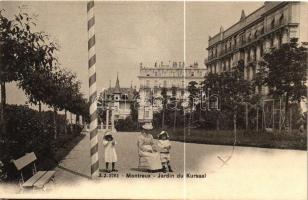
271	25
119	99
172	76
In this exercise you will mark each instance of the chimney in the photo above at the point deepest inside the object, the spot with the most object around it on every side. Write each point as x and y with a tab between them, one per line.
243	16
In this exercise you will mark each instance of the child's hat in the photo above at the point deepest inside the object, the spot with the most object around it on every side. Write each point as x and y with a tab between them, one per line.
108	133
162	133
147	126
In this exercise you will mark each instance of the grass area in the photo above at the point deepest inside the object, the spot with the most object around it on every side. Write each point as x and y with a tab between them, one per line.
244	138
61	147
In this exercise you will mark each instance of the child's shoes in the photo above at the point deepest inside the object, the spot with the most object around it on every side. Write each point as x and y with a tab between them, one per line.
169	168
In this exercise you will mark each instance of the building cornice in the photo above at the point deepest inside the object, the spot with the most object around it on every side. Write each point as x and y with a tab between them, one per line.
247	26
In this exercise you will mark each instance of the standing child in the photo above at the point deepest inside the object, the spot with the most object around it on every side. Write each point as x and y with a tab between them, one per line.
164	146
110	152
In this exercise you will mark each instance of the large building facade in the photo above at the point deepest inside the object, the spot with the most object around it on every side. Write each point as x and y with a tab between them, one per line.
271	25
173	76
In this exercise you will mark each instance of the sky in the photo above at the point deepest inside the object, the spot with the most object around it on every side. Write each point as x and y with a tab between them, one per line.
128	33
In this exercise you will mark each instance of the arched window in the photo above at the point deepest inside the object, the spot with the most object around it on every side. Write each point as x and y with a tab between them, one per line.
256	34
279	40
272	42
273	24
262	30
254	53
281	19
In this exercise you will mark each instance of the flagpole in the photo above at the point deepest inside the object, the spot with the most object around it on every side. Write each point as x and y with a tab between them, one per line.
92	90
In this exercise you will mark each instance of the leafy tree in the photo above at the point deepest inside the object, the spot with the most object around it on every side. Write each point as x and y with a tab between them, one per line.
28	57
23	51
173	91
193	92
134	107
231	87
283	71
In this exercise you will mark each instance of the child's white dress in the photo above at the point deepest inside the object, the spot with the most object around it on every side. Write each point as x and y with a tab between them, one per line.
164	146
110	152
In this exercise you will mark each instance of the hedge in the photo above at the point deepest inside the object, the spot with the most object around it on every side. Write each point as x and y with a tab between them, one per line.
25	130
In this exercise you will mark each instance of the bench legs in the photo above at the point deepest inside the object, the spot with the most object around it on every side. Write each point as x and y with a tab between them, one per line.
44	188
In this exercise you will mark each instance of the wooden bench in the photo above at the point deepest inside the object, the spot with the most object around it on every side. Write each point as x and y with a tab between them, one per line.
39	178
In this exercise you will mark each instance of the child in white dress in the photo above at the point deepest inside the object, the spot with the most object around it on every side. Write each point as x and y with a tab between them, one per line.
110	152
164	146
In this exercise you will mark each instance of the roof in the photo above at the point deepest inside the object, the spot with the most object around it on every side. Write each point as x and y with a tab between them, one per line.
244	21
122	91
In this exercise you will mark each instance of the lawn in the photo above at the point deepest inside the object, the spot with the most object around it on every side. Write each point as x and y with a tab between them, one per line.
244	138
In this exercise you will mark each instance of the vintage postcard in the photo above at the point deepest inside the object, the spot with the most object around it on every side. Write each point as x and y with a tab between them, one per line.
153	99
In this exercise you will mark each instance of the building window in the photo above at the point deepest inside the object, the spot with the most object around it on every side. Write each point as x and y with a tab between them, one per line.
165	83
254	72
155	73
281	20
147	114
247	72
279	40
192	74
273	24
156	83
272	42
262	30
147	83
261	50
242	39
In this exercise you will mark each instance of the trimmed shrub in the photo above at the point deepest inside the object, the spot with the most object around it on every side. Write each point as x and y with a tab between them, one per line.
126	124
25	130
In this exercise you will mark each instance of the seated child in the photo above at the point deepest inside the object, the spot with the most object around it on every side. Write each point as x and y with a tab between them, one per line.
164	146
110	152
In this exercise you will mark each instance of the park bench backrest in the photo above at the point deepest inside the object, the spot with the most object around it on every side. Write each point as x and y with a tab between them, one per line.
24	161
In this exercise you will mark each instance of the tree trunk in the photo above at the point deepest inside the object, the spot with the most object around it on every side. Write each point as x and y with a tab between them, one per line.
71	124
174	122
3	99
40	106
65	124
78	119
246	116
234	126
163	119
287	112
217	123
55	122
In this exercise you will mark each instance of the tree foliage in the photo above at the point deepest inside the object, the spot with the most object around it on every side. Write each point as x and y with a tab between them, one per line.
283	70
28	57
